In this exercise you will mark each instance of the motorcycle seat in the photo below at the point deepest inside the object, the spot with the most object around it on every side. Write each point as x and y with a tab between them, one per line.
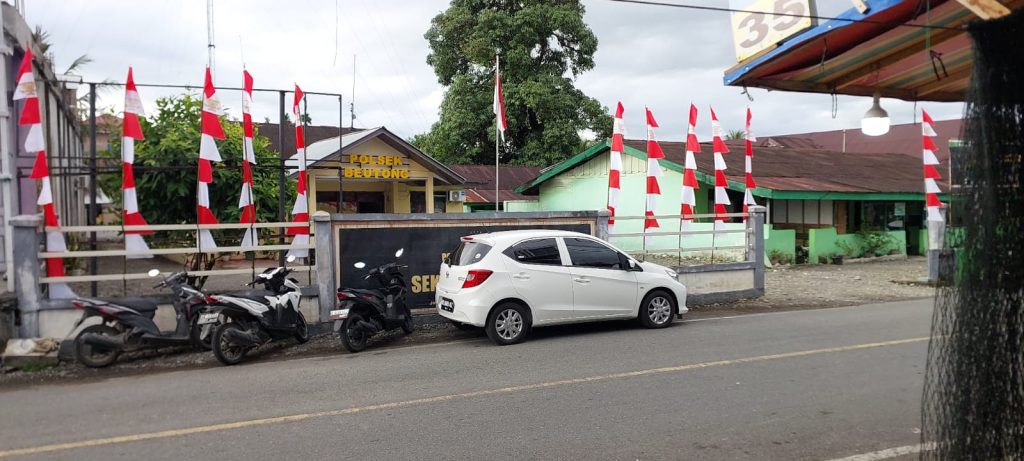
359	291
258	296
139	304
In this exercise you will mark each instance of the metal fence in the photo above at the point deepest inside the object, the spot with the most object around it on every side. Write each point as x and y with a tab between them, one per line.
700	244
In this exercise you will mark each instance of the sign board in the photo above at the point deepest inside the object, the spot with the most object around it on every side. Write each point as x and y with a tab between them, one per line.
376	167
764	23
901	209
425	247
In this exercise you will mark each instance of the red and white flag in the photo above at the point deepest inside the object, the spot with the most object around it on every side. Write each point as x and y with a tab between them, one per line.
615	165
36	142
245	200
210	130
749	140
132	131
690	184
300	211
721	184
931	173
654	153
499	102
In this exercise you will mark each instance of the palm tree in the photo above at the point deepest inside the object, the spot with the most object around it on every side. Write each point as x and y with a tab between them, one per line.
734	135
42	40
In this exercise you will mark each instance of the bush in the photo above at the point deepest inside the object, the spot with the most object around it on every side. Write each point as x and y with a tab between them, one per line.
876	243
779	257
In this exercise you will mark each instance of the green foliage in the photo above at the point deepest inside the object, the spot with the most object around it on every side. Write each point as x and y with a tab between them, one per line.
777	256
166	168
876	243
544	45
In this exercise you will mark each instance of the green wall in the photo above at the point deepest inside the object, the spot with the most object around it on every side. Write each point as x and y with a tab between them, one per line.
585	187
825	242
782	242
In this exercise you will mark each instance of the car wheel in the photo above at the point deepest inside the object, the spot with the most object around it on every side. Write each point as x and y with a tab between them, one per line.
507	324
657	310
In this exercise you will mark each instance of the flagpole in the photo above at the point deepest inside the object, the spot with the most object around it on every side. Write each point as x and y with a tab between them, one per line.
497	132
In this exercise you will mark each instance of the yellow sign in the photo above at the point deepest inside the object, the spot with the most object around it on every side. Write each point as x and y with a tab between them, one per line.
376	167
764	23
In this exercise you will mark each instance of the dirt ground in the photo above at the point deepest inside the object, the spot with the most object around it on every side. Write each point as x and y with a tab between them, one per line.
787	288
823	286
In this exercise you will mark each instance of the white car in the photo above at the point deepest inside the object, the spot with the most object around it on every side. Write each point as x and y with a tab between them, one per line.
508	282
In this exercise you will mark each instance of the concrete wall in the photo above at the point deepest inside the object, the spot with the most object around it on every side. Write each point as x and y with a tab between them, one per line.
826	243
780	242
714	283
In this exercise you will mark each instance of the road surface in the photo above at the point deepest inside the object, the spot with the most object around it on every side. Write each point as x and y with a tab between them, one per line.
817	385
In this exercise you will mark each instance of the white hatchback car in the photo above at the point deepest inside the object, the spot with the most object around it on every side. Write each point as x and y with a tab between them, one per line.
508	282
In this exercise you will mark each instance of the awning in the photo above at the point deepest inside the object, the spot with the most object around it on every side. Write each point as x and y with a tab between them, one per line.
862	58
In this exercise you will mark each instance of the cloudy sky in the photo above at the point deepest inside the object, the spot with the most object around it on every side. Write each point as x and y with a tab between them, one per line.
647	56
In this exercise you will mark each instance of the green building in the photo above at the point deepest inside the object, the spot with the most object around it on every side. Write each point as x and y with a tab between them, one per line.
817	199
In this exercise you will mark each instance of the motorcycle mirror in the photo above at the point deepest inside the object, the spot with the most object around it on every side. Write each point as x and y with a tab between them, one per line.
360	265
291	258
154	272
398	254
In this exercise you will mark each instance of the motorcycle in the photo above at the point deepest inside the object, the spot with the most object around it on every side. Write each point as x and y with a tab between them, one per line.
364	313
127	326
249	321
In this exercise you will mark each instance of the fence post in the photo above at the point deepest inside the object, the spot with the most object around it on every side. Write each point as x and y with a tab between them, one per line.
325	258
601	230
26	272
756	245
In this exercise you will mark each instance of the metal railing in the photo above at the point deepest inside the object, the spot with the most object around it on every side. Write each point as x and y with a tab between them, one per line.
190	250
680	249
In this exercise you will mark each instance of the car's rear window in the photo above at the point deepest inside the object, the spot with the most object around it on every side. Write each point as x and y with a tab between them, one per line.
469	253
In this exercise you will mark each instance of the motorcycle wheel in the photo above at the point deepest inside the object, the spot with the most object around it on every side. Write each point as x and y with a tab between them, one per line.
92	356
353	337
301	329
409	325
226	352
196	334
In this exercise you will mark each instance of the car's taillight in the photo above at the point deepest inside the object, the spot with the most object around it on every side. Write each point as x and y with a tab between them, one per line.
476	277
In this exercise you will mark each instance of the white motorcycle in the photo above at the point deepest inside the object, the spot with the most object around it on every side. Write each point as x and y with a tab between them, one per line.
247	322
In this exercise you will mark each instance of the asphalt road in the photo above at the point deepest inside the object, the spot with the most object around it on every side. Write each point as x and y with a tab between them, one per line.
819	385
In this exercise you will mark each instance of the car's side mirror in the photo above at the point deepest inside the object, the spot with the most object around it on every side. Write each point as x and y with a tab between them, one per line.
632	264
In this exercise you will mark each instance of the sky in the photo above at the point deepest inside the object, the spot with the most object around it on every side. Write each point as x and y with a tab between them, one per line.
648	56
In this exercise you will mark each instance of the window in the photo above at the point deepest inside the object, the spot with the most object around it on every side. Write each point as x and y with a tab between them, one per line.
469	253
539	251
588	253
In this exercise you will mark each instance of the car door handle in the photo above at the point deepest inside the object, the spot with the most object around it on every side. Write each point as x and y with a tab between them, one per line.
521	276
583	280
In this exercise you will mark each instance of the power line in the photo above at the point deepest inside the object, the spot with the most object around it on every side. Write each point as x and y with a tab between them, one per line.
811	16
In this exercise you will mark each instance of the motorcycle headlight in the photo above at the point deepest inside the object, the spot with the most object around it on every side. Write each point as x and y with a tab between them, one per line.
672	273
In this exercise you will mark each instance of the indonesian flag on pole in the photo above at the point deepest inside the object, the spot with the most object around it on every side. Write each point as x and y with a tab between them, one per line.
499	102
132	131
300	212
749	140
615	165
208	153
654	153
721	184
690	184
35	142
245	200
931	174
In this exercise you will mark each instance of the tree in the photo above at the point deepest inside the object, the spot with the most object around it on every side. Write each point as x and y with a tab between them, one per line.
735	135
544	46
166	167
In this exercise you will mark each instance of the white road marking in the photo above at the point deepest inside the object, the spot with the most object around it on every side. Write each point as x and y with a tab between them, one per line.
889	453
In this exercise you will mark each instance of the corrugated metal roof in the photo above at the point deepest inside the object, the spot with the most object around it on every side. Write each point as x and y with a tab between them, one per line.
810	170
901	139
480	181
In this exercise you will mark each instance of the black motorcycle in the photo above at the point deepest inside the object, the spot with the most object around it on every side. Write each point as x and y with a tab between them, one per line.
364	313
250	321
127	326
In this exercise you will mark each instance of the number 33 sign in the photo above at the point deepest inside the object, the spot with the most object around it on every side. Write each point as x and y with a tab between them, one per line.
768	22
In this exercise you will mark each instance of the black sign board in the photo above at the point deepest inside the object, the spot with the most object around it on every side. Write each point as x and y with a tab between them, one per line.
424	249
